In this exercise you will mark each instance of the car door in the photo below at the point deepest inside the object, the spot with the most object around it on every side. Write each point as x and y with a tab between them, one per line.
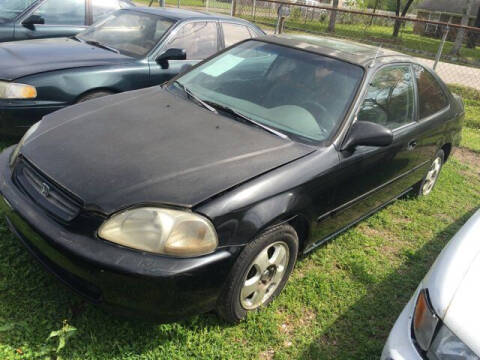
433	114
369	177
62	18
199	39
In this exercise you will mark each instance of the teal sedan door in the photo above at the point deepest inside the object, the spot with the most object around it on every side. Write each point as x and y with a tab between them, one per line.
61	18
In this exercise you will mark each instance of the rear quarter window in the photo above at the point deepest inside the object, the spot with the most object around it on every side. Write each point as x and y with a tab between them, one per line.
431	96
234	33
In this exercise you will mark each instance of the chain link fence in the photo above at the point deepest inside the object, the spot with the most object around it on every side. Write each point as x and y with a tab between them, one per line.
453	50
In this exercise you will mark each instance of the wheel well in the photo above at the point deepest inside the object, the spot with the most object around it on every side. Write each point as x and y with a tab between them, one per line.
301	226
447	149
91	91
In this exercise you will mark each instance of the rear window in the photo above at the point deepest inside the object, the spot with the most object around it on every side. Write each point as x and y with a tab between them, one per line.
431	97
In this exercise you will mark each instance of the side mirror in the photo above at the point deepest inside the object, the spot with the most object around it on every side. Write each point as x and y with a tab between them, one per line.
33	20
368	134
171	54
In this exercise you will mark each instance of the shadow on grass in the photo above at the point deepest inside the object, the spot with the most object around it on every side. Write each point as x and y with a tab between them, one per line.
385	301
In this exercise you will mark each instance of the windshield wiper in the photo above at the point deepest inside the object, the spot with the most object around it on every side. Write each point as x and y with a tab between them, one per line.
103	46
247	119
195	97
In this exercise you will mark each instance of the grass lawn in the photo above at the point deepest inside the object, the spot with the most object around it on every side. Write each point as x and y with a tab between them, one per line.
340	302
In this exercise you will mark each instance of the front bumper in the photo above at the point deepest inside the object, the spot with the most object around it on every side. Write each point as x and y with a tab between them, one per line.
16	117
399	345
126	281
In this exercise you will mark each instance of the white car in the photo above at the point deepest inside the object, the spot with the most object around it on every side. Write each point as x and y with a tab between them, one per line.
442	319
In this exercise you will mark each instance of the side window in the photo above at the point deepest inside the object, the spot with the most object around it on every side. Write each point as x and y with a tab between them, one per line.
390	98
62	12
102	8
431	98
234	33
199	39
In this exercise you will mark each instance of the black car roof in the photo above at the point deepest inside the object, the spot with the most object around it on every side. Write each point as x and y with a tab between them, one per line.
182	14
350	51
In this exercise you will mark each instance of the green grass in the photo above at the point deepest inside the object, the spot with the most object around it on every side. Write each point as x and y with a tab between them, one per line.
471	130
340	302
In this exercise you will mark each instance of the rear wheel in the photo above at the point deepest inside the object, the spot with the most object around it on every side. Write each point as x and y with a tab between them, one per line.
93	95
259	274
426	186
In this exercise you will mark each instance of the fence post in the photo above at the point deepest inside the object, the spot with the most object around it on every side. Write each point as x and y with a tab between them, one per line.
254	9
161	3
206	5
440	48
233	8
178	3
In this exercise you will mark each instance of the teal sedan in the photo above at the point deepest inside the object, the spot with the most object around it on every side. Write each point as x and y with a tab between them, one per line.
131	49
37	19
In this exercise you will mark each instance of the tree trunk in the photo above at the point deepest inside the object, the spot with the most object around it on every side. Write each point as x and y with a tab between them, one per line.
398	23
461	32
472	38
333	16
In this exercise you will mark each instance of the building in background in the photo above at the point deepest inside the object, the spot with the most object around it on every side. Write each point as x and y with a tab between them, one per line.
445	11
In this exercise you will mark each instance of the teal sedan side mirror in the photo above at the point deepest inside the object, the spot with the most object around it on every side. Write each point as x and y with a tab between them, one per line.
171	54
33	20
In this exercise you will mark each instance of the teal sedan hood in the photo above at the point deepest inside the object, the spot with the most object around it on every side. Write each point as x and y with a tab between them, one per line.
23	58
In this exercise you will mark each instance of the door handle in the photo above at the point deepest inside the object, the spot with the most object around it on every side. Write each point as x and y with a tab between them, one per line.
412	145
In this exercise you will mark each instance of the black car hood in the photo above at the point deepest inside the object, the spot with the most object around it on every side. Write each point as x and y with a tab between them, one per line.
29	57
151	147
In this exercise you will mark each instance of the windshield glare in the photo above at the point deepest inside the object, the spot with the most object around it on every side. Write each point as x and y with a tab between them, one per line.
131	33
299	93
10	9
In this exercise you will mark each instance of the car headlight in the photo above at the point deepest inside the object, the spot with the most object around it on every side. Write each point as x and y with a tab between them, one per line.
424	321
16	151
161	231
448	346
10	90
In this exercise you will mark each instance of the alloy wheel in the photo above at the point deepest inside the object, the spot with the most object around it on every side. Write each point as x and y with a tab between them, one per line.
264	275
432	176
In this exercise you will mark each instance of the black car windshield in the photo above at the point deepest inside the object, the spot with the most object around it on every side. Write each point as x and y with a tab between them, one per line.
129	32
10	9
298	93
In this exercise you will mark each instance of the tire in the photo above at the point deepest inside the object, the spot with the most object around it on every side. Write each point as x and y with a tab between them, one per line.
426	186
93	95
266	277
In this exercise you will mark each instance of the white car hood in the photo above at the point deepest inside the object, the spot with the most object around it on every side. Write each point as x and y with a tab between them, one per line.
463	314
453	284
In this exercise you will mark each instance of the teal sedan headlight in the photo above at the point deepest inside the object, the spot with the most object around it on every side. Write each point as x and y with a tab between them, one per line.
10	90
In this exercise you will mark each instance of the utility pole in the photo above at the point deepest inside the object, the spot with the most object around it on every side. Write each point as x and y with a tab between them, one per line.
461	32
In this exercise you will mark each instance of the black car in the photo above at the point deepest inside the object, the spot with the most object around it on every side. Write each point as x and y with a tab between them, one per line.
200	194
37	19
131	49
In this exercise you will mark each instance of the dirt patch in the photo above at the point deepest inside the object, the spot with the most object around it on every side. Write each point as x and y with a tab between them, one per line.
468	157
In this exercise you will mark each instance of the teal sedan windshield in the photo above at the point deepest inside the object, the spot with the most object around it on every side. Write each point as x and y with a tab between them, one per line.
10	9
130	33
298	93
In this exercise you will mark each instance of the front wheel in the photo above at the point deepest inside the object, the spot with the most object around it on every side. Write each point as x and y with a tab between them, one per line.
259	274
428	183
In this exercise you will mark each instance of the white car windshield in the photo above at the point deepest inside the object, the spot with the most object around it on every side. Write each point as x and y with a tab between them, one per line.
299	93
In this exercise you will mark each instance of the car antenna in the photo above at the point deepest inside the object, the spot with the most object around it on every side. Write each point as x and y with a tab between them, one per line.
376	55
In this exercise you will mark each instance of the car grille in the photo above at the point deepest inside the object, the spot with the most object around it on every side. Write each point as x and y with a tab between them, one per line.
44	192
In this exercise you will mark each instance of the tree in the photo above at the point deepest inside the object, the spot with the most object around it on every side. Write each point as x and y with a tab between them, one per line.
398	7
472	39
333	16
461	32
